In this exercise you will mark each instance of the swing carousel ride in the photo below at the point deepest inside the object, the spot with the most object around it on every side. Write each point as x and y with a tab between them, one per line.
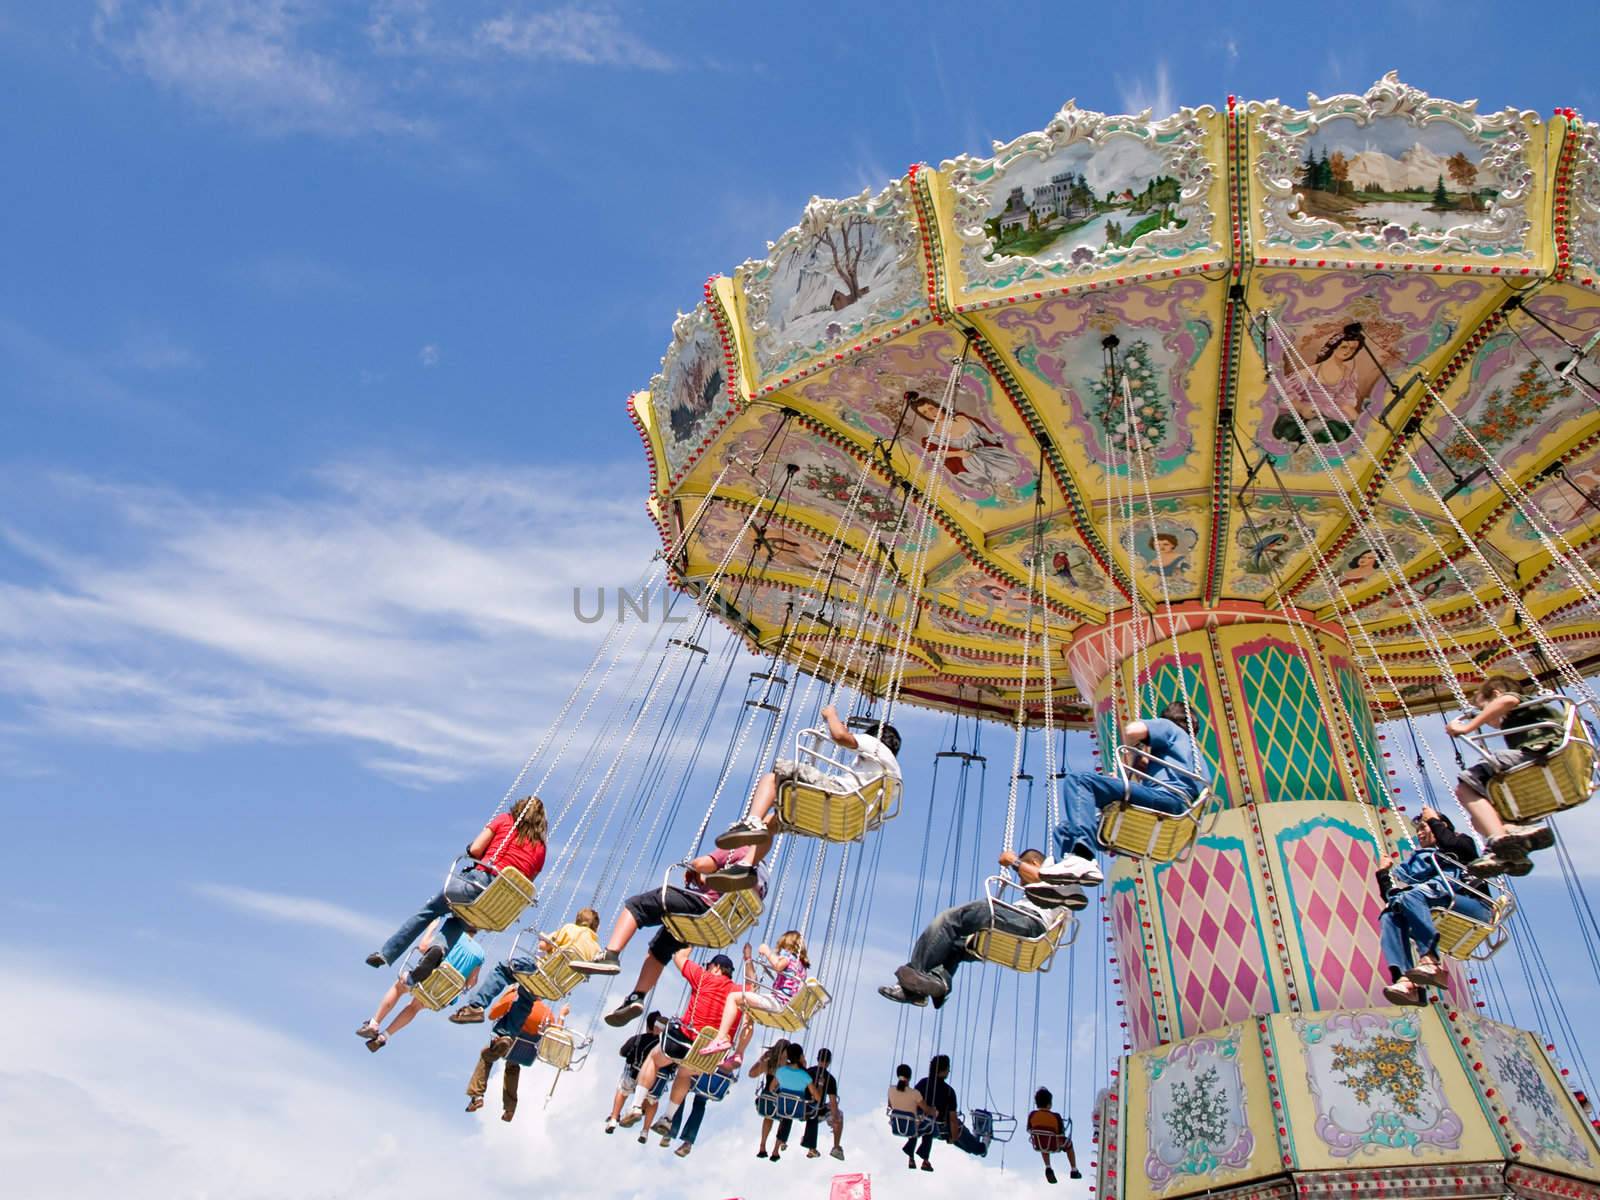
1287	415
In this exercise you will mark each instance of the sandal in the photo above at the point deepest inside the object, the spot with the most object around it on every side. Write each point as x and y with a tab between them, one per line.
474	1104
368	1031
378	1043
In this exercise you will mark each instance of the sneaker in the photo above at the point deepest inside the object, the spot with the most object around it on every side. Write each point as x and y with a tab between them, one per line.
644	1137
611	1126
368	1031
376	960
629	1010
1057	895
1405	992
926	1165
1430	974
1074	1174
663	1127
609	963
813	1154
1488	866
900	996
761	1153
427	964
508	1114
666	1140
630	1118
683	1150
921	983
735	877
1049	1174
837	1152
467	1014
1538	836
1519	867
1073	868
743	832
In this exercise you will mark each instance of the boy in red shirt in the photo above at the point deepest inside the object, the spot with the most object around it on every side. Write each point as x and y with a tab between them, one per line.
709	989
647	909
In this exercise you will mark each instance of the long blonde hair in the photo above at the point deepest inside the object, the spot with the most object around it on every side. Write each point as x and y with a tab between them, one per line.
793	943
530	822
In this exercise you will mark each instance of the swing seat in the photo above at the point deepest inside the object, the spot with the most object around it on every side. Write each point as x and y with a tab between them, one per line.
694	1056
713	1085
1047	1142
990	1127
1561	779
552	977
844	815
563	1049
499	905
794	1016
1467	939
720	925
788	1106
911	1124
441	988
524	1050
1135	831
1013	950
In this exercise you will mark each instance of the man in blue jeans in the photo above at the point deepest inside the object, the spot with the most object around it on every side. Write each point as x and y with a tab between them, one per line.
1433	875
1164	750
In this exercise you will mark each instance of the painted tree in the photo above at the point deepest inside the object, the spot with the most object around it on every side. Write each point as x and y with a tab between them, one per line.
1441	198
1338	171
1462	171
846	244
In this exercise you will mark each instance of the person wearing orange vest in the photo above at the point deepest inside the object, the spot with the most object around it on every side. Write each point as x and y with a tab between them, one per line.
516	1046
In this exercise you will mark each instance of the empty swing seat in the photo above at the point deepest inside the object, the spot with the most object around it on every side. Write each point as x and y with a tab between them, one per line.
1014	950
499	905
713	1085
563	1049
729	916
989	1127
442	986
1562	779
552	977
912	1124
844	813
794	1016
1131	829
1466	938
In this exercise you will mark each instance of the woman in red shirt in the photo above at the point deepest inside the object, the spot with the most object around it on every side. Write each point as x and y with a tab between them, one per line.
512	839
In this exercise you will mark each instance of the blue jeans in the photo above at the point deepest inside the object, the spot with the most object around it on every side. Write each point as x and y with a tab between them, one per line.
1085	793
942	946
1408	918
462	889
965	1140
691	1127
498	981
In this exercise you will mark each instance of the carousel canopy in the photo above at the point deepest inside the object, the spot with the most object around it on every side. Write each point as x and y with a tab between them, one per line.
1336	359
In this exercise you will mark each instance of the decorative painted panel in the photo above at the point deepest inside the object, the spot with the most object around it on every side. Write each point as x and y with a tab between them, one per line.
1158	687
1328	867
1197	1122
1127	928
1216	948
690	395
1287	722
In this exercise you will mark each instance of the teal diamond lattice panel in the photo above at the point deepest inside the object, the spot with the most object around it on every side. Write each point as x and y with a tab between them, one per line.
1287	722
1162	689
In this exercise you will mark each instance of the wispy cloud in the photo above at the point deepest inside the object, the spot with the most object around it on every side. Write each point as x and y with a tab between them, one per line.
1153	92
408	612
428	356
291	274
154	350
248	61
576	34
293	910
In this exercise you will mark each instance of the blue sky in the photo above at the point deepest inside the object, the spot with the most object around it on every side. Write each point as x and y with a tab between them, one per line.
316	324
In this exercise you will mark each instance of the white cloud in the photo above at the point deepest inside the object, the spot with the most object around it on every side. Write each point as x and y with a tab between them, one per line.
88	1116
248	61
425	616
570	34
291	274
1154	93
294	910
154	350
428	356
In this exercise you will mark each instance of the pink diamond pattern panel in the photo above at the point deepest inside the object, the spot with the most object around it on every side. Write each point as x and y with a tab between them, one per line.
1212	934
1131	963
1329	866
